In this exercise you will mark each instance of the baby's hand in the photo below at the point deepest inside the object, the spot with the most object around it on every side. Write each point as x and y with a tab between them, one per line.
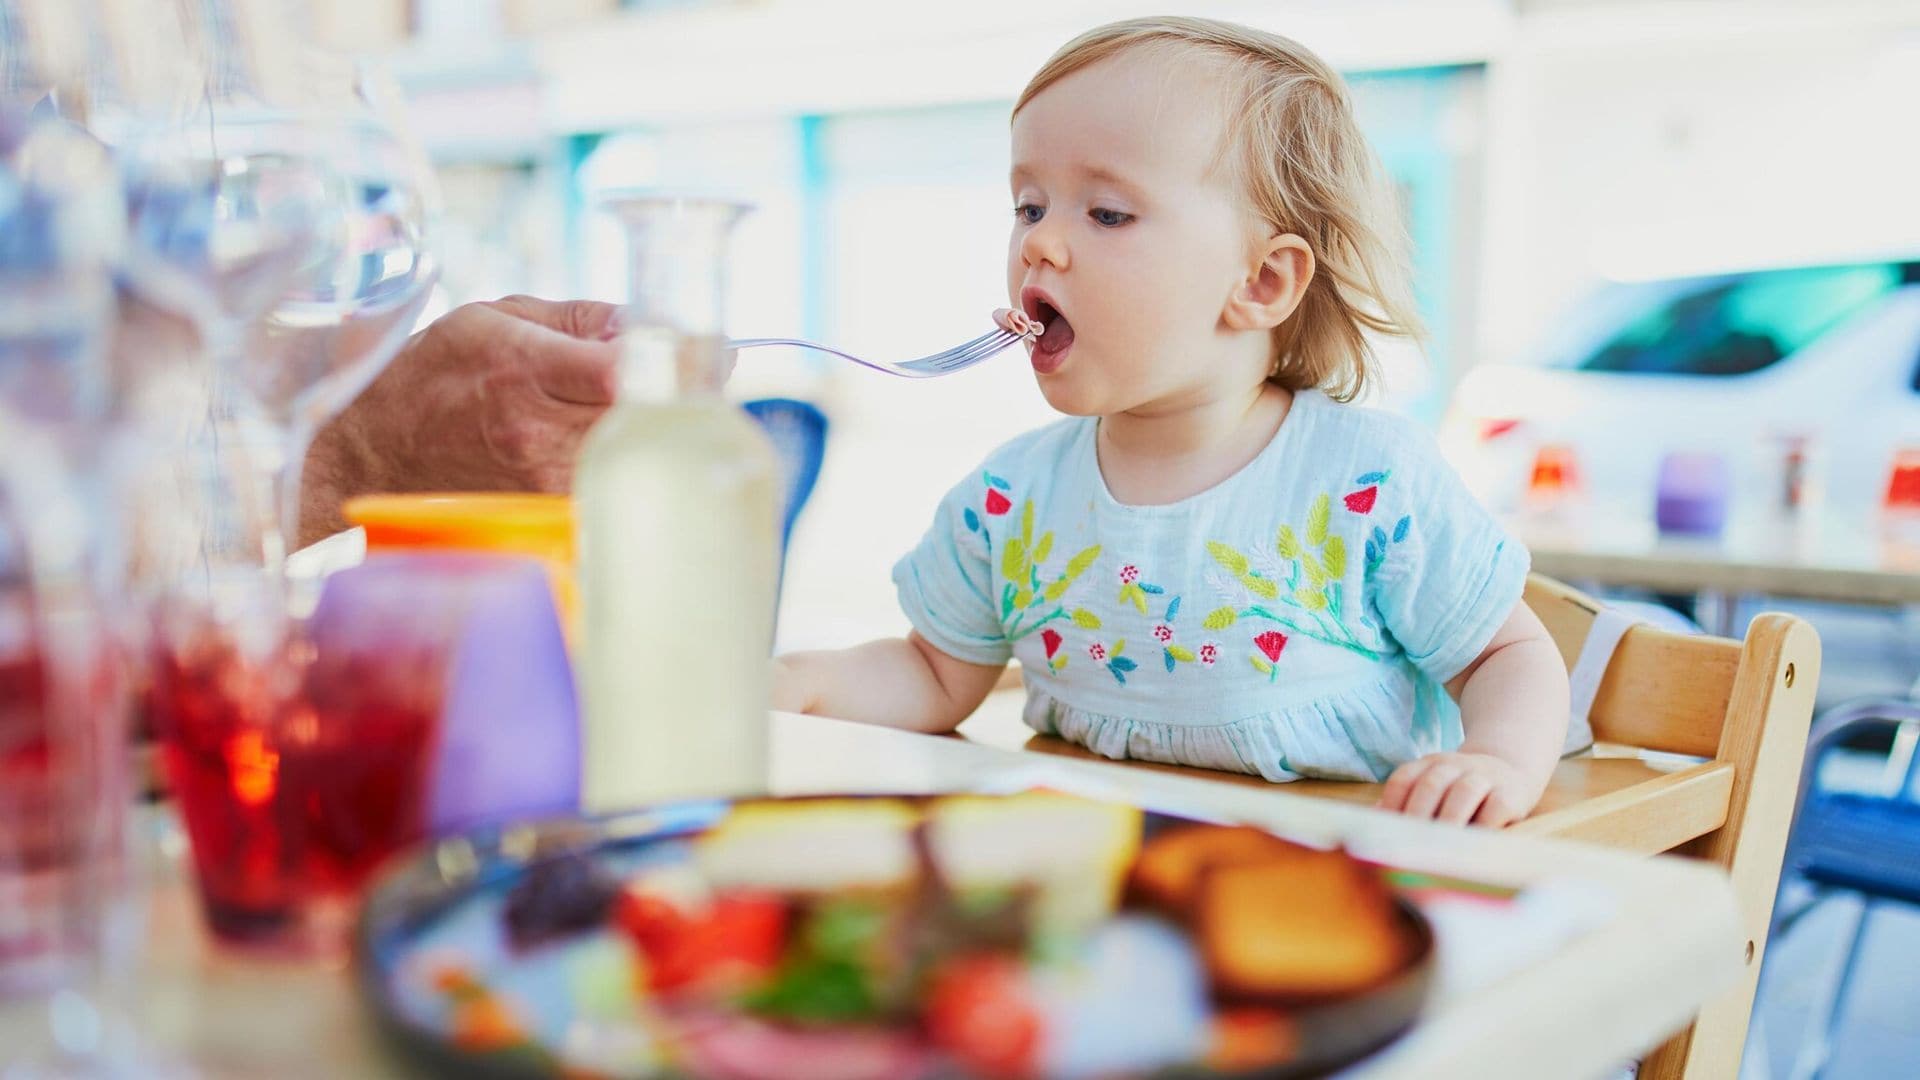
1461	788
787	689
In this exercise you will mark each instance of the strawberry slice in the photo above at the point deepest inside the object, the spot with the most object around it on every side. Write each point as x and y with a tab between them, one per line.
981	1012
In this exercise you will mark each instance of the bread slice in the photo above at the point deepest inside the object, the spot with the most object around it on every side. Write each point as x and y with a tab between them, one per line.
1075	851
812	845
1172	863
1314	924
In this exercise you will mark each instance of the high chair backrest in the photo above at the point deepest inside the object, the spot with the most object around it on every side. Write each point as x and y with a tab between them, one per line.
1745	707
1661	691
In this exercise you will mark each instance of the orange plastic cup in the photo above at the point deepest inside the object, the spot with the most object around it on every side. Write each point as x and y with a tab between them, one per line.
535	526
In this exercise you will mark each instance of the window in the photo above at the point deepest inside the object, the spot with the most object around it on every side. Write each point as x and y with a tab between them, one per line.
1741	324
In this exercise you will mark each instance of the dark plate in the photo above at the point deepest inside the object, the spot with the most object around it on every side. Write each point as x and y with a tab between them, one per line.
423	891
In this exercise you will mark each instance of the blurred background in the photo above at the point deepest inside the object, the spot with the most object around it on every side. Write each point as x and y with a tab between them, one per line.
1647	234
1561	164
1669	254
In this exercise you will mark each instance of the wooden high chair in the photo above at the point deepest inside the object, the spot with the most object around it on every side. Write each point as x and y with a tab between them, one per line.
1738	712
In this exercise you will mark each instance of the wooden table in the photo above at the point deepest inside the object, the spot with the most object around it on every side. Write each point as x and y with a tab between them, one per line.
1820	560
1665	939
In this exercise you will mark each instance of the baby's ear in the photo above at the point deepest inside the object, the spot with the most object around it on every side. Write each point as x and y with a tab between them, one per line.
1274	285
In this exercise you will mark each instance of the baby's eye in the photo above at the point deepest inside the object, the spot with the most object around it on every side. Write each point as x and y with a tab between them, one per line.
1108	219
1028	213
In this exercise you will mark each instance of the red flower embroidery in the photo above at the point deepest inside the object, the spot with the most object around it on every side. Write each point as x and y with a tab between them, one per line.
1271	643
1361	502
1163	632
1097	651
1129	574
1209	653
997	503
1051	640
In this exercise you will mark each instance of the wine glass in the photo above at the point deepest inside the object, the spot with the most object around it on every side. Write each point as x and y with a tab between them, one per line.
286	212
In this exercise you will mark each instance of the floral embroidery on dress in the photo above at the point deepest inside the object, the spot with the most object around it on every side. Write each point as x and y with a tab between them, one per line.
1267	660
1306	592
1056	660
1298	585
1173	653
1024	599
1116	664
1134	591
996	505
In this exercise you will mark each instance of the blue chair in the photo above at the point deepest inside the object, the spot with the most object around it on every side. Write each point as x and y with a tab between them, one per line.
1857	842
798	432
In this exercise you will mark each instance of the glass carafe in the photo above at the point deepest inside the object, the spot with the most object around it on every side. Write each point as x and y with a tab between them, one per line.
677	535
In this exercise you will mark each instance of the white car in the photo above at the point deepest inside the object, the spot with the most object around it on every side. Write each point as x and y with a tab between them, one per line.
1731	364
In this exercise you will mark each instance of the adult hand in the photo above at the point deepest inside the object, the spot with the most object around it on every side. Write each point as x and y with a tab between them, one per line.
489	397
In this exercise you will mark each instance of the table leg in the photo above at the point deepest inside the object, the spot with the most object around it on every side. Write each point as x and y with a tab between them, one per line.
1715	612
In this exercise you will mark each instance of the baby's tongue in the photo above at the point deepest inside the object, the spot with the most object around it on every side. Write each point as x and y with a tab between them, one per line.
1058	335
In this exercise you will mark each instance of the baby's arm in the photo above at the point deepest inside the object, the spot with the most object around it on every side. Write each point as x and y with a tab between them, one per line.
898	682
1513	705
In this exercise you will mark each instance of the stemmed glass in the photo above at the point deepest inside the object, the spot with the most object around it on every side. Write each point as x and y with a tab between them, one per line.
285	212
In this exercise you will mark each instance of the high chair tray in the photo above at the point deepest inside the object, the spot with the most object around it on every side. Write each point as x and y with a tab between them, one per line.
845	937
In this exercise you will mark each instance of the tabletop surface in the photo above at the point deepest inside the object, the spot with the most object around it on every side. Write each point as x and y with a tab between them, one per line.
1873	562
1654	938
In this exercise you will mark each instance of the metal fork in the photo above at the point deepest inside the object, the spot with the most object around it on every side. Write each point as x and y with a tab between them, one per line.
958	358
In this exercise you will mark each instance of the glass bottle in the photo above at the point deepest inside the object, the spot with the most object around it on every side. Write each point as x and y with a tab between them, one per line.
677	534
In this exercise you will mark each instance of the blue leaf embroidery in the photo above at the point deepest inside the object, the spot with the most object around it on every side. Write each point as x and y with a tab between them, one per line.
1118	674
1380	538
1400	530
997	482
1373	552
1173	609
1124	663
1371	478
1152	590
972	520
1169	655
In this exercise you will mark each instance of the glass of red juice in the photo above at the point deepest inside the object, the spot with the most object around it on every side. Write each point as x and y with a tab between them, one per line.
298	751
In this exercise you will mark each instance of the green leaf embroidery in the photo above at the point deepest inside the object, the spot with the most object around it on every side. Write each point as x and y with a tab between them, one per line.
1335	553
1235	562
1286	543
1220	618
1180	653
1261	587
1023	598
1043	548
1058	662
1311	599
1138	598
1315	573
1055	589
1261	665
1079	563
1118	647
1013	562
1085	620
1317	520
1026	525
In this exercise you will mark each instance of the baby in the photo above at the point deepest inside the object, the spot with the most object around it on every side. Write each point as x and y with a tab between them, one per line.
1216	560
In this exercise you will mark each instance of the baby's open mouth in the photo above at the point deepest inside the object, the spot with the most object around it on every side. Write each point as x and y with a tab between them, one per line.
1059	332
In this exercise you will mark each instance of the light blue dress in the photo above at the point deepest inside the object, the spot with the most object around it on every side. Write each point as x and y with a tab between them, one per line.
1298	619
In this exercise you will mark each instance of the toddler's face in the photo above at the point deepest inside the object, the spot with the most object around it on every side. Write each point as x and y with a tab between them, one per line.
1128	236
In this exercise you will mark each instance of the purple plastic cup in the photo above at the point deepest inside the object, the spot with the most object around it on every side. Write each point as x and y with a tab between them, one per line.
509	731
1692	493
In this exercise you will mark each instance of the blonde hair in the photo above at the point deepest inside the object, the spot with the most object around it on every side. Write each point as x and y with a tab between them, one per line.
1307	170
